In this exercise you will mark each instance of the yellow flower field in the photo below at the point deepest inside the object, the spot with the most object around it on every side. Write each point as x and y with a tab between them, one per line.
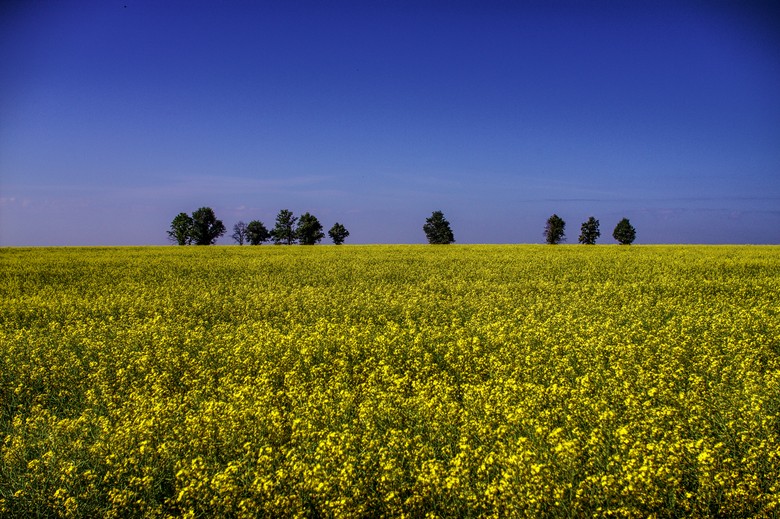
390	381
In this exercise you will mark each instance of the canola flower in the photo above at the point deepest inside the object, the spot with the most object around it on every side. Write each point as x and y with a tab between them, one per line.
390	381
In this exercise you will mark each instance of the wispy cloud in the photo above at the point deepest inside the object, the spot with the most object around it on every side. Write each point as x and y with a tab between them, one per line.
13	201
182	187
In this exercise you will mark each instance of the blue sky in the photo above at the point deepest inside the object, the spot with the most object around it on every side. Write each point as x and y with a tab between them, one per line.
117	115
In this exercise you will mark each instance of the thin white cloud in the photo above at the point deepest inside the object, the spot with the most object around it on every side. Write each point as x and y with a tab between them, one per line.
203	186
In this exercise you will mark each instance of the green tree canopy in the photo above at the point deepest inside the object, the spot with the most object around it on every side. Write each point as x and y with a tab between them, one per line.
338	233
624	232
555	230
284	230
589	231
205	227
256	233
181	229
309	230
437	229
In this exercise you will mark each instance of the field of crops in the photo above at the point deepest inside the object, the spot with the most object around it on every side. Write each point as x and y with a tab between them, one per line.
365	381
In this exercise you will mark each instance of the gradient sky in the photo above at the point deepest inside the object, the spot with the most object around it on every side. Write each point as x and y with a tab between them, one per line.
117	115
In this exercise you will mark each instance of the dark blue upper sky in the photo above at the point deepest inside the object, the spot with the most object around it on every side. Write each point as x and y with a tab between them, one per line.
117	115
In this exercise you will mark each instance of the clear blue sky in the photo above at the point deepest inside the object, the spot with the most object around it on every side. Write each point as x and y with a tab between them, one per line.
117	115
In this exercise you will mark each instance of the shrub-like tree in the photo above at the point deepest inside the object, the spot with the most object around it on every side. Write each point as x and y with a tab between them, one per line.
256	233
624	232
205	227
284	230
554	231
338	233
309	230
239	232
181	229
437	229
589	231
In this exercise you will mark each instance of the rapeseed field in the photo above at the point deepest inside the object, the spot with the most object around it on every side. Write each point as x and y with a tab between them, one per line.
390	381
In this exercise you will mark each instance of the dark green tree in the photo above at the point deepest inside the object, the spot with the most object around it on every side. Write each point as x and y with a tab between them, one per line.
589	232
437	229
284	231
309	230
624	232
181	229
555	230
239	232
338	233
256	233
205	227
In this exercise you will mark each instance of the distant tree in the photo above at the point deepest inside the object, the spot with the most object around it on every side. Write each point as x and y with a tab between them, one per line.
437	229
284	231
181	229
338	233
589	231
624	232
256	233
239	232
205	227
554	231
309	230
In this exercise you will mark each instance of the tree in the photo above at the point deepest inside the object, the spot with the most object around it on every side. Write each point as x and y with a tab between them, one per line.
437	229
205	227
284	231
181	229
554	231
338	233
240	232
256	233
589	231
309	230
624	232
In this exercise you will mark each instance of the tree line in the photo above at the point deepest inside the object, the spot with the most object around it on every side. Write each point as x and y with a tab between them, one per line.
555	231
438	231
203	228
